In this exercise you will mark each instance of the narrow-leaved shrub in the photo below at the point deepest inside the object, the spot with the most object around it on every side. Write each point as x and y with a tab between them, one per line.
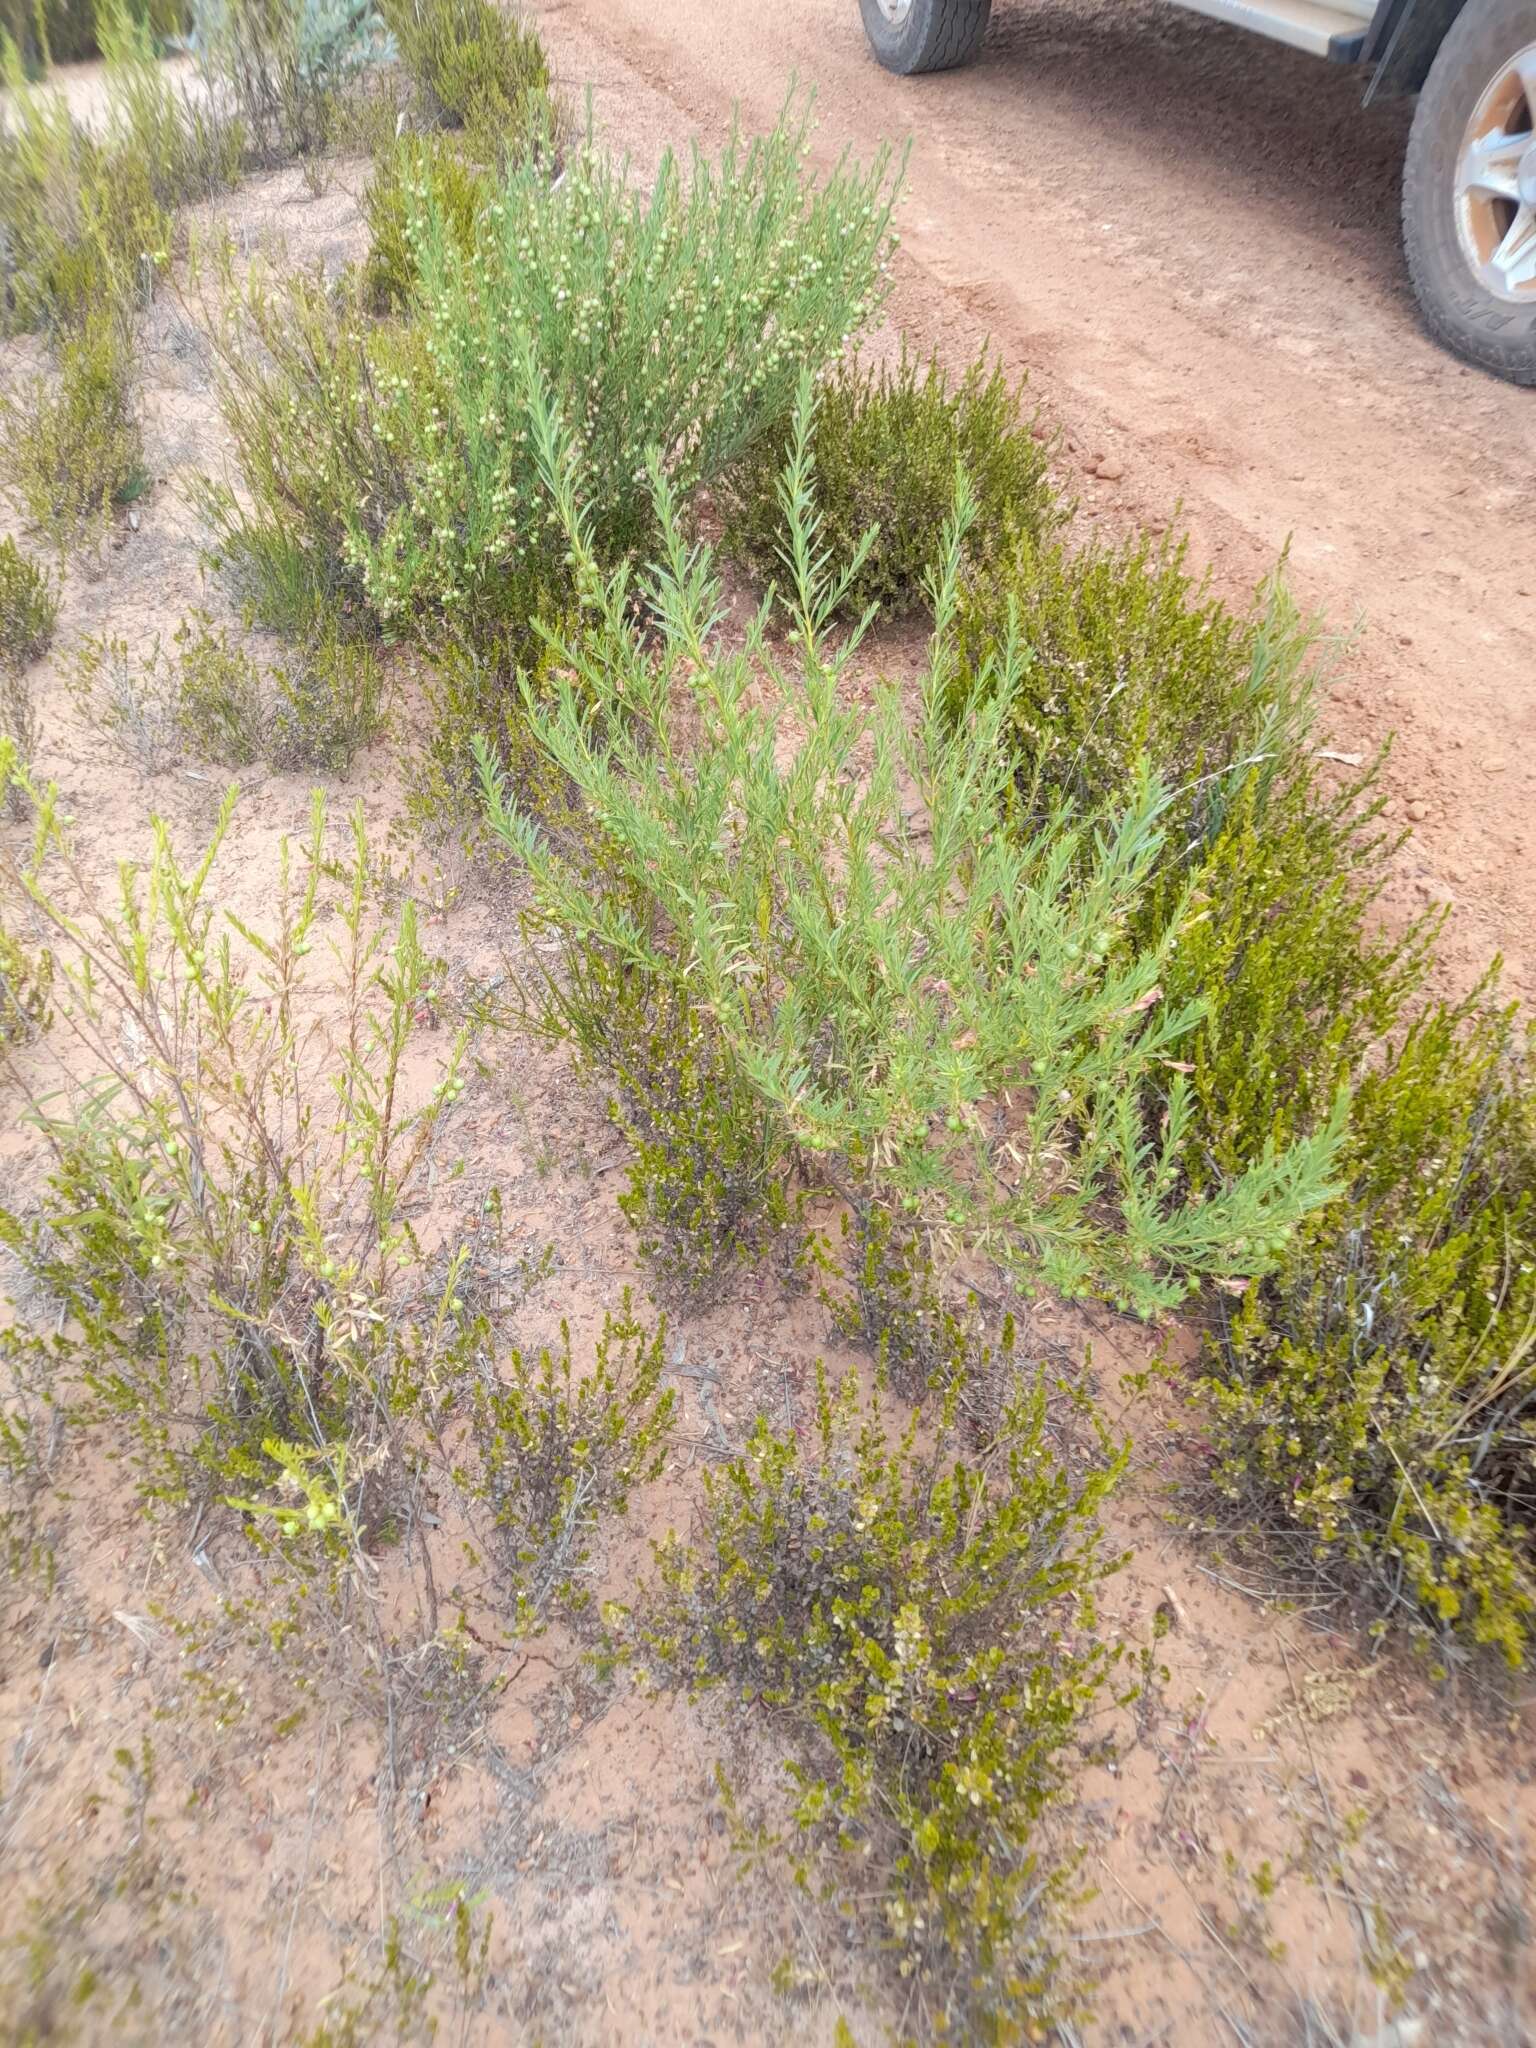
401	458
949	1017
29	607
70	446
887	445
222	1224
1379	1390
476	66
1376	1392
414	176
550	1449
923	1627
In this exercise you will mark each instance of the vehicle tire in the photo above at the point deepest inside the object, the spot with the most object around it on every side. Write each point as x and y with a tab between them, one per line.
1469	190
924	35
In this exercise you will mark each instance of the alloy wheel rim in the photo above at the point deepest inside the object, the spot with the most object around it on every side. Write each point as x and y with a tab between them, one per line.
1496	183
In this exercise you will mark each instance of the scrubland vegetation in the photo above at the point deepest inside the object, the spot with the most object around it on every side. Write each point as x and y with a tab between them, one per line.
1059	961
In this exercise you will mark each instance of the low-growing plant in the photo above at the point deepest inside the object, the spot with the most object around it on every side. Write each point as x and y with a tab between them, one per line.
1379	1390
222	705
413	176
284	64
944	1016
205	695
1375	1393
223	1222
476	66
70	447
400	456
1131	659
895	1305
331	702
925	1627
549	1450
134	700
887	445
29	608
88	212
66	31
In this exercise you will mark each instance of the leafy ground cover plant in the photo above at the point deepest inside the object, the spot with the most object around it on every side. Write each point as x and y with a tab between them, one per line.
948	1017
887	445
400	458
925	1626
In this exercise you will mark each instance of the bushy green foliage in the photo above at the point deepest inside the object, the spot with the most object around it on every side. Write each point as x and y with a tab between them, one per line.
401	457
221	703
549	1450
1381	1387
945	1016
29	607
1269	877
70	446
895	1305
88	215
476	66
1375	1391
55	31
414	176
886	447
925	1626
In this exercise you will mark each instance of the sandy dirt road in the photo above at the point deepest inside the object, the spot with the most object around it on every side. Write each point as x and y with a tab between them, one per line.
1188	238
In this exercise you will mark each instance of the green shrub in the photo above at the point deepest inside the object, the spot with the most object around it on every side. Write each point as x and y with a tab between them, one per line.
414	175
330	704
222	707
18	727
66	31
1374	1391
223	1220
1267	886
476	66
1129	659
895	1305
1380	1389
88	215
886	447
29	607
57	31
911	1619
401	458
944	1016
285	64
549	1451
71	449
705	1181
206	696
